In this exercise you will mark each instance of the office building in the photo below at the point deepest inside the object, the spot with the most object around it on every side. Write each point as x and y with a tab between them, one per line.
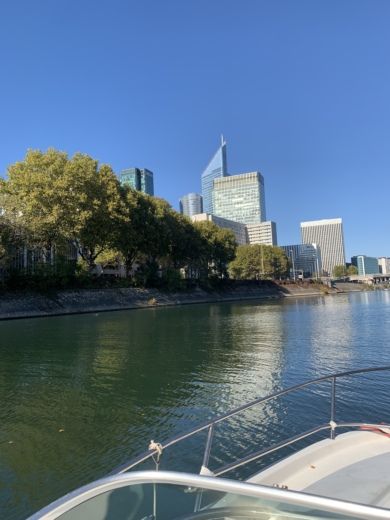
139	179
216	168
384	265
238	229
365	264
262	233
240	198
191	204
305	260
328	235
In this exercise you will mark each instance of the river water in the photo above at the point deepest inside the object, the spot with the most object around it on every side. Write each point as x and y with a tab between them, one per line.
82	394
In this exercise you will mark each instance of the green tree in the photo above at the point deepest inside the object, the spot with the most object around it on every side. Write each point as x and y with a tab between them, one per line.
352	270
258	261
339	271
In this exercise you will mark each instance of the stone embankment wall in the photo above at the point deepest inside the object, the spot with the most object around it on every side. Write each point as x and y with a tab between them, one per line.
28	305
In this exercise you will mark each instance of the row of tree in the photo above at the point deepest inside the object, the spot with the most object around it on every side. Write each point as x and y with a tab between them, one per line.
50	201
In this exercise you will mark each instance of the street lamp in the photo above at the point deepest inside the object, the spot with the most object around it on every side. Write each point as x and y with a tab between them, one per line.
293	265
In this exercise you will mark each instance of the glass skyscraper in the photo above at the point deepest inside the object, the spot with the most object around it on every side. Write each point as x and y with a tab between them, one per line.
329	237
191	204
139	179
216	168
240	198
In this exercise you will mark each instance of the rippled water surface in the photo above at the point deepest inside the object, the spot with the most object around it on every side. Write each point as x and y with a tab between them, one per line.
80	395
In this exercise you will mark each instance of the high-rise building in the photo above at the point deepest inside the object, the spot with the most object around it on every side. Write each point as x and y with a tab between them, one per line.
240	198
329	237
305	260
238	229
216	168
262	233
384	264
191	204
365	264
139	179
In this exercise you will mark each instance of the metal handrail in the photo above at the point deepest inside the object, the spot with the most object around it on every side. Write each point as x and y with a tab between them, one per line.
210	426
288	497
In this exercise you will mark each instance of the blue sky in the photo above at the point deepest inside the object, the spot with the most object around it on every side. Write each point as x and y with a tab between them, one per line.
300	90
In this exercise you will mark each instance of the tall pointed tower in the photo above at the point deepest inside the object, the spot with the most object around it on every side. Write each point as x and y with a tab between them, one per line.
216	168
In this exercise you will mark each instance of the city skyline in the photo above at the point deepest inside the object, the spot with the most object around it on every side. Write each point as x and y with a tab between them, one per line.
301	96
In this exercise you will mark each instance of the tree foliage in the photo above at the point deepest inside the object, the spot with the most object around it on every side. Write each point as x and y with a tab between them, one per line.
339	271
258	261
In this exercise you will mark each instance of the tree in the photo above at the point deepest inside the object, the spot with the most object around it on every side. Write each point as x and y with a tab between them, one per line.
10	240
352	270
258	261
217	248
339	271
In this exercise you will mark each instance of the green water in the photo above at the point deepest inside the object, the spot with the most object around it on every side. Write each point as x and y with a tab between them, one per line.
82	394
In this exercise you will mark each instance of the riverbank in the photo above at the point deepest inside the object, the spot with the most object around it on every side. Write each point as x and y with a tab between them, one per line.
29	305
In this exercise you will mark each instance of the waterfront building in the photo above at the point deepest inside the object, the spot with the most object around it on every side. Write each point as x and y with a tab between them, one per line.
139	179
240	198
216	168
365	264
329	237
238	229
384	265
262	233
305	260
191	204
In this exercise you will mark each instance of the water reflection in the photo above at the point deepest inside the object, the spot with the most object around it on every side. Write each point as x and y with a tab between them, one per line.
81	394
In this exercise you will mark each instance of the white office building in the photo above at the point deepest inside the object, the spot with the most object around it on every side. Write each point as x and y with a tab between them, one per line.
238	229
262	233
384	264
329	237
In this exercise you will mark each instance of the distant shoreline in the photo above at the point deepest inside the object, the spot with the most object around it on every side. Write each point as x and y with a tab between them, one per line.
37	305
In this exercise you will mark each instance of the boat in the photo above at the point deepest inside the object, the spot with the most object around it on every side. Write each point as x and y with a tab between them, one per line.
343	475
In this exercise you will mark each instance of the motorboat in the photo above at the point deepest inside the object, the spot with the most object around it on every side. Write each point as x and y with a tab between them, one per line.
342	472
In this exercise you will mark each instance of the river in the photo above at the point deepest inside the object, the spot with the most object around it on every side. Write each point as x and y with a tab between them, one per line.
82	394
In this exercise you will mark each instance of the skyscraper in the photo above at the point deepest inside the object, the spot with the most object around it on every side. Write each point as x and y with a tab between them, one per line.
262	233
329	237
216	168
240	198
191	204
139	179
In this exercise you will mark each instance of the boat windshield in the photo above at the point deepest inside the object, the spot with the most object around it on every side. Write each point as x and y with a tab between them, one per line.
178	496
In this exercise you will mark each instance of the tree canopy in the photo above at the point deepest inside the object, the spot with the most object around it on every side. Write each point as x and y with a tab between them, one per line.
258	261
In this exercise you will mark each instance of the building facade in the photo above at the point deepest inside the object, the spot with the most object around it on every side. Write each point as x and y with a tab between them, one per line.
384	265
238	229
191	204
216	168
262	233
139	179
365	264
305	260
329	237
240	198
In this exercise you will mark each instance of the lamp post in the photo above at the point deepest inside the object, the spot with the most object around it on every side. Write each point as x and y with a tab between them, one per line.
293	264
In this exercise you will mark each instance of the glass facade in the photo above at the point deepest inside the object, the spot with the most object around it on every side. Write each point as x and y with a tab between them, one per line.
238	229
305	259
191	204
139	179
216	168
365	264
240	198
329	237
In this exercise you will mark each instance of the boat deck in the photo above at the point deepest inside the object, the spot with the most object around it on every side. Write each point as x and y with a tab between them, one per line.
355	467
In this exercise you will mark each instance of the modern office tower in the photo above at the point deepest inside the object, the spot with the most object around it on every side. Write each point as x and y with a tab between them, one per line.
238	229
305	260
328	235
262	233
216	168
365	264
240	198
191	204
139	179
384	265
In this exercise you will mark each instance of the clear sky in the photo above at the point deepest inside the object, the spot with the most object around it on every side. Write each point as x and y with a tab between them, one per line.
300	89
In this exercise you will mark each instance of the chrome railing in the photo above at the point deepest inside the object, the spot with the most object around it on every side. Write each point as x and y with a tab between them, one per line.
210	426
270	500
